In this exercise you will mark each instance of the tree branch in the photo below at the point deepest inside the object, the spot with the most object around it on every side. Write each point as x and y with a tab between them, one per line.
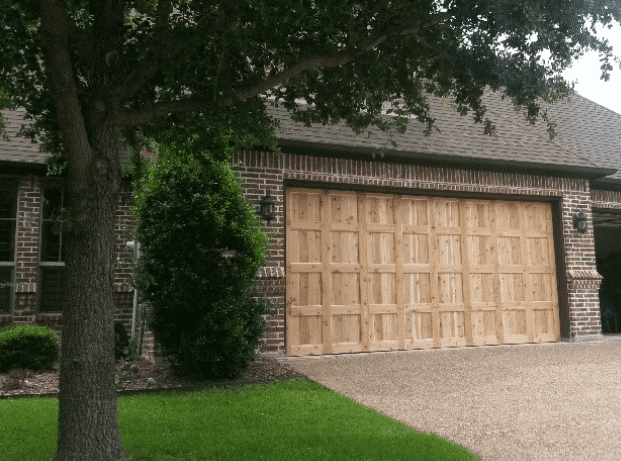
143	116
139	78
80	41
54	32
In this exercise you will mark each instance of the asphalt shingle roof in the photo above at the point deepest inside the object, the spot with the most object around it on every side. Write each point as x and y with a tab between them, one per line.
588	138
591	130
19	148
516	141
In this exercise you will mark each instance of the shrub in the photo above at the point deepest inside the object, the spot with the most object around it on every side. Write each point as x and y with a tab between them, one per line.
201	246
30	347
121	340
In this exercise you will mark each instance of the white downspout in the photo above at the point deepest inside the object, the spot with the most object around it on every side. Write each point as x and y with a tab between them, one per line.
135	246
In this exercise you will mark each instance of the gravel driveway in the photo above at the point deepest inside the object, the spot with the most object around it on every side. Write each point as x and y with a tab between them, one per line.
505	403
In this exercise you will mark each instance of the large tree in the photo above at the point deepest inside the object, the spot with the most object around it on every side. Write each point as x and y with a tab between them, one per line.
95	72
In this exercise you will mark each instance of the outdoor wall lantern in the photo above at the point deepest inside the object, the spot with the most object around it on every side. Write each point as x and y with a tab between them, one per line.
268	207
580	222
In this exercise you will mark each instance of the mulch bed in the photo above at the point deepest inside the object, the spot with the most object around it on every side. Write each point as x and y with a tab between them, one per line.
139	376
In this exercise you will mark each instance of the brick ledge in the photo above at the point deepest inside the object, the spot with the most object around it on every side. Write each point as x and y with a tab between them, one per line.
584	275
271	272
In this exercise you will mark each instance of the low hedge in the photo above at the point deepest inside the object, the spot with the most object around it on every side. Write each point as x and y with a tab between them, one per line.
29	347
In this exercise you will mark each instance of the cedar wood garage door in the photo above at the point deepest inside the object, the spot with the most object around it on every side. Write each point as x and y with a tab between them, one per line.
373	272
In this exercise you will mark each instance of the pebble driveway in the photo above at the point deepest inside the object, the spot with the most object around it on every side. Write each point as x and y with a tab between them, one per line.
552	402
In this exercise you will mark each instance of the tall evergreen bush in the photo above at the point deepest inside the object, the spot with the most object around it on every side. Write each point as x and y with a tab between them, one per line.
201	246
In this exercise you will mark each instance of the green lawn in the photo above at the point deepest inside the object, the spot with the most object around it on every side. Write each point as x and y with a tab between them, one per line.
293	419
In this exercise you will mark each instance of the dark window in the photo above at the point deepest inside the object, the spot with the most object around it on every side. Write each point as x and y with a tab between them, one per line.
52	233
52	271
8	217
8	220
51	288
6	273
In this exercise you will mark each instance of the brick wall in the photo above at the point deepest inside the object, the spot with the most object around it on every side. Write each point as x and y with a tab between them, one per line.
123	288
606	199
27	248
259	171
27	243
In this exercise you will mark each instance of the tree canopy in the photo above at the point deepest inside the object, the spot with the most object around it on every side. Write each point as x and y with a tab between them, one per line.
145	60
95	74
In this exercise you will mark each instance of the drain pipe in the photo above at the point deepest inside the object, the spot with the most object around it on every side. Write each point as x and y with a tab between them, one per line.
135	246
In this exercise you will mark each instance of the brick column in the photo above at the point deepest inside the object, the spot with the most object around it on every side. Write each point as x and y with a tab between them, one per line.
29	201
583	280
123	288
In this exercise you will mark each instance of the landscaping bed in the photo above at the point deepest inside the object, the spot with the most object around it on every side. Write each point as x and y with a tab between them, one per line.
140	375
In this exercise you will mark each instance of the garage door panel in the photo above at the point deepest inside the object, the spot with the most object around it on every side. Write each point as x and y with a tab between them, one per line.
546	323
541	285
344	209
305	289
538	251
380	210
515	321
446	213
448	249
479	250
305	246
382	288
381	247
512	287
415	272
484	327
305	206
383	327
509	250
415	248
414	213
419	327
507	215
346	329
310	330
482	288
452	329
417	288
450	288
537	218
477	214
345	247
345	288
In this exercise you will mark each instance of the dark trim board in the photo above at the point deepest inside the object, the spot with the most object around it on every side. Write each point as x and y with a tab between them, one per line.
561	270
20	168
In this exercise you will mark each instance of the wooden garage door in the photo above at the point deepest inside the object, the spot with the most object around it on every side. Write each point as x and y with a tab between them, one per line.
371	272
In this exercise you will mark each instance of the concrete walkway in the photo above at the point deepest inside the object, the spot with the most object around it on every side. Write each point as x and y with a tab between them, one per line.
558	402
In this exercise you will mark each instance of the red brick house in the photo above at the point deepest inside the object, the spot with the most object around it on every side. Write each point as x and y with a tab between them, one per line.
31	249
393	241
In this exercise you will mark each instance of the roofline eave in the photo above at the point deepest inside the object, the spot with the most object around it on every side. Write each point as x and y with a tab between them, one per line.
435	159
17	167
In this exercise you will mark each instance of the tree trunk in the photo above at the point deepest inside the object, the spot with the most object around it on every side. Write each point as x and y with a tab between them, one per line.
87	422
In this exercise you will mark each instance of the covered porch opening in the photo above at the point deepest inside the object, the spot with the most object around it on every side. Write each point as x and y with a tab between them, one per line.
607	230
